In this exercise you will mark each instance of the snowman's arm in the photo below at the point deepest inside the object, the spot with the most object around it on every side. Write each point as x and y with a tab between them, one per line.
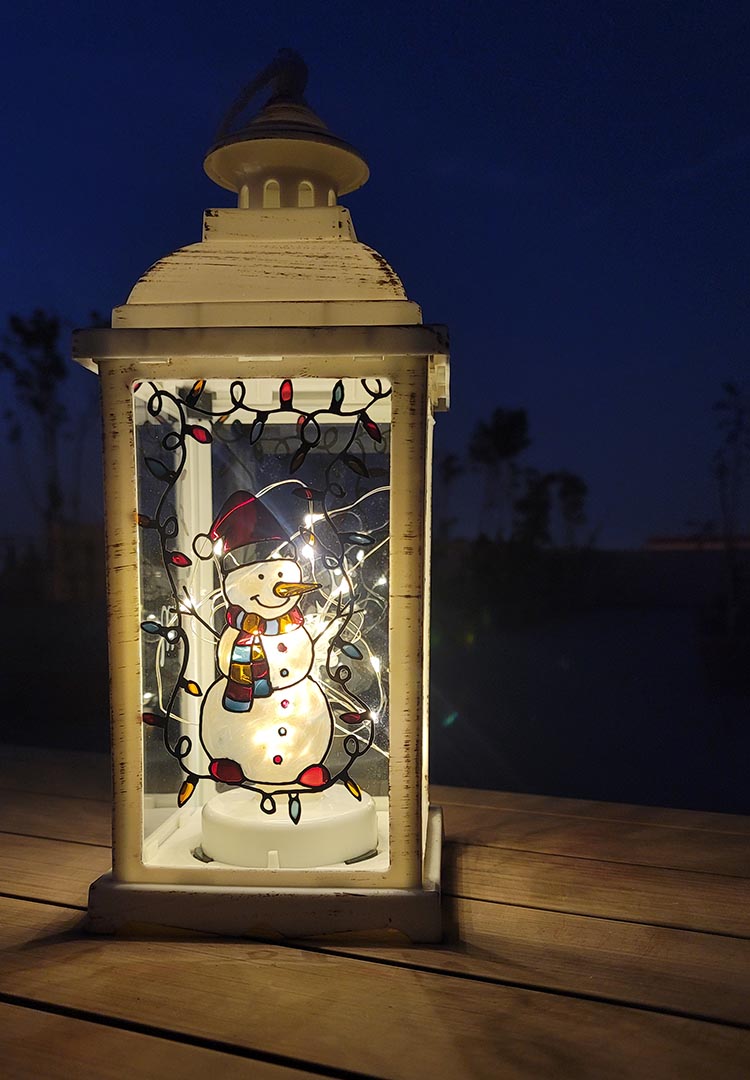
224	649
322	642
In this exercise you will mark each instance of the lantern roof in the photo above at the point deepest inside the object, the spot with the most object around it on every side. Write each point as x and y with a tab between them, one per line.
287	255
285	134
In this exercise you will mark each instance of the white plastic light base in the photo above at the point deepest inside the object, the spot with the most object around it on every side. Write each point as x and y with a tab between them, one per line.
334	828
260	912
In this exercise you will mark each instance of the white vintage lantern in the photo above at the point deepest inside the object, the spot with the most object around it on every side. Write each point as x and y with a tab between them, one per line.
268	397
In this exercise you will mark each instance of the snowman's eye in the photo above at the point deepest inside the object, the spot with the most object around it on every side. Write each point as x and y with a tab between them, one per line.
281	573
261	576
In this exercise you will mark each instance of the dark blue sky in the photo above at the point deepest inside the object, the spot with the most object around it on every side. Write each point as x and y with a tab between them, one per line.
564	184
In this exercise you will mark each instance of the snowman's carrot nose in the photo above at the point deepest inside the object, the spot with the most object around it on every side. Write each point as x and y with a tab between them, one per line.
294	588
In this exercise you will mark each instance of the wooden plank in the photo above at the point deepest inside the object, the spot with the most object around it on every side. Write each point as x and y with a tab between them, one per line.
88	821
50	869
701	975
588	838
75	773
54	1047
58	817
57	873
338	1013
586	808
61	872
675	898
698	974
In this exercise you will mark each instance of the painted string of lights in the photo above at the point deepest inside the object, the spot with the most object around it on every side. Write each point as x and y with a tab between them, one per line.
258	615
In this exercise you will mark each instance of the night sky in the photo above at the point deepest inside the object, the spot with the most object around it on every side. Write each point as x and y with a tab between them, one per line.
563	184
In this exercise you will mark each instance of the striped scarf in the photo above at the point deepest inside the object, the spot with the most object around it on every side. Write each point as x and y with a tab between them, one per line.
248	666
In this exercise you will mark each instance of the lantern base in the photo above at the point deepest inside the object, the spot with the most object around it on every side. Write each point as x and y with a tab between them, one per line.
262	912
337	829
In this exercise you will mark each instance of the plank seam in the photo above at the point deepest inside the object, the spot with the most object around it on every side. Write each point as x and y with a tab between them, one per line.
302	946
55	839
36	900
604	918
204	1043
34	790
601	999
465	844
633	822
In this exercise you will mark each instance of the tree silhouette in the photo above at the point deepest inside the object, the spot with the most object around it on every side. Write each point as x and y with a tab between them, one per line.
449	468
32	357
732	460
494	446
531	523
571	494
731	466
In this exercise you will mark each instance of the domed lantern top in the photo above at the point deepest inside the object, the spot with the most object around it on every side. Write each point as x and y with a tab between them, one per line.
284	156
288	254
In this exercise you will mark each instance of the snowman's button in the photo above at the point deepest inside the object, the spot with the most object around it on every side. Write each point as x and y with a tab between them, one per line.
284	672
285	703
277	759
282	647
282	731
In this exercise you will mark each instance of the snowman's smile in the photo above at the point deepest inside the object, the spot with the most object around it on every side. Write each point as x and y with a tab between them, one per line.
256	599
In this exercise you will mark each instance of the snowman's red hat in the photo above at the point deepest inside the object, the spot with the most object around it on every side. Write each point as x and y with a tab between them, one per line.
242	523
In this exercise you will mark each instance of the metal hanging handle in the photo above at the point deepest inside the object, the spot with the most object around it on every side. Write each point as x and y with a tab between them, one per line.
287	73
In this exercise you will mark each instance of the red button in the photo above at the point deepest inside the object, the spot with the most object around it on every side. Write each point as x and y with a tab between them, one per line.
277	759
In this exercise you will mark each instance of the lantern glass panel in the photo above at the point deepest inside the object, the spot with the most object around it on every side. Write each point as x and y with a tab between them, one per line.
263	507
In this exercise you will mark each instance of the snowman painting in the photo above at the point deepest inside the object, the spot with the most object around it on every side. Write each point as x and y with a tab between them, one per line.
266	723
265	678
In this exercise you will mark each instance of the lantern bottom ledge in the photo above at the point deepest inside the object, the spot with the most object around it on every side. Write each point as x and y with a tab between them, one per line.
239	911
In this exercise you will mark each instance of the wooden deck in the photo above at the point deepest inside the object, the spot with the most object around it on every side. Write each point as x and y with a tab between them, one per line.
582	940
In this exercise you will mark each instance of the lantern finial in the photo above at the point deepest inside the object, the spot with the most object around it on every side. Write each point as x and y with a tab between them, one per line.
287	72
284	144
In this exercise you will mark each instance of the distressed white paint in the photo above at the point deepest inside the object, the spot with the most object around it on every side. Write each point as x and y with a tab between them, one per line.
284	257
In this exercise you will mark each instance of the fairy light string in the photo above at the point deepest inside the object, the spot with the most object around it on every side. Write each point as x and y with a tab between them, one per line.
335	536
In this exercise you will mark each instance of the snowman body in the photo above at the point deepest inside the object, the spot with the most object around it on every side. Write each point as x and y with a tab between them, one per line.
288	725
